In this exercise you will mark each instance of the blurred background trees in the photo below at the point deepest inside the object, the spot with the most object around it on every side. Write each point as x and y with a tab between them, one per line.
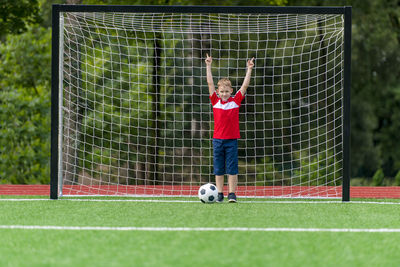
16	15
25	56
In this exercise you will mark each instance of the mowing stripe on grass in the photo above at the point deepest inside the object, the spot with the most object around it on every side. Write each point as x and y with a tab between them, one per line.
199	229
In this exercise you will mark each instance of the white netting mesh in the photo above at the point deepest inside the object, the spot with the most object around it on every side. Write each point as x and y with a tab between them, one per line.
137	118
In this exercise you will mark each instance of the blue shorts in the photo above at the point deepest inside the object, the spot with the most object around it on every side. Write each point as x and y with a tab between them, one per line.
225	156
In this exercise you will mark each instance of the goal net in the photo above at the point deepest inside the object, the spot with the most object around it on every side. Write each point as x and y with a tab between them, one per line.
135	118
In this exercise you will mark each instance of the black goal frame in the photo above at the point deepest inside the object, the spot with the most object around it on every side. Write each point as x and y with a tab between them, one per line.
57	9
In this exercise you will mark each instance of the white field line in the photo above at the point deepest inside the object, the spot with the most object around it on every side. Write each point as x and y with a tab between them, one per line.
195	201
199	229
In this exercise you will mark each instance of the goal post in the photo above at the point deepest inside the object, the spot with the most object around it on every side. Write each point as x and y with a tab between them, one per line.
131	113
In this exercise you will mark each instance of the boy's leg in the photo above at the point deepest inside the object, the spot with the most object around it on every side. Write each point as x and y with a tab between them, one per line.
219	180
219	167
232	181
232	168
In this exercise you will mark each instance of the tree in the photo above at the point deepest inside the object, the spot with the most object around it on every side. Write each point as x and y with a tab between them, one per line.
25	107
16	15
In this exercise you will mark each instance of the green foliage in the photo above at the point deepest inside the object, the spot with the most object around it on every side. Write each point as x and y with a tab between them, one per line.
317	169
397	179
378	177
306	169
24	137
25	61
375	79
16	15
267	173
25	107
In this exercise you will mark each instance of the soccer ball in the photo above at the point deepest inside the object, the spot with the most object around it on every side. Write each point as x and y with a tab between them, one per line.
208	193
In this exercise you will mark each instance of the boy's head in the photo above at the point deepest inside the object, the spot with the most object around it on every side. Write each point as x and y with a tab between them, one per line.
224	89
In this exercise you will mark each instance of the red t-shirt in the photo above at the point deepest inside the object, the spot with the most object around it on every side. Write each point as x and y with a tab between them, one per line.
226	116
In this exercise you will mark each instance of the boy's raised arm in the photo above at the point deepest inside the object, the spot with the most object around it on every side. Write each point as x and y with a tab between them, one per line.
246	82
211	87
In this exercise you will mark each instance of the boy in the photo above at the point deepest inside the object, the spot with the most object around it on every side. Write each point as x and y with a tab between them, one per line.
226	129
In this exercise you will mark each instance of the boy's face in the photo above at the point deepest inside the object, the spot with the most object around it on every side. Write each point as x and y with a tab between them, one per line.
225	92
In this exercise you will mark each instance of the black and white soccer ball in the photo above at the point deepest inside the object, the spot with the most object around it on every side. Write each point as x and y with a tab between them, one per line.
208	193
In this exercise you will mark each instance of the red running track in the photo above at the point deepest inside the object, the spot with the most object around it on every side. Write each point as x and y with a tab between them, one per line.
355	191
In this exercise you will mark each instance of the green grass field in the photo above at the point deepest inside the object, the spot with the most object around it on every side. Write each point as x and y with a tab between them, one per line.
220	244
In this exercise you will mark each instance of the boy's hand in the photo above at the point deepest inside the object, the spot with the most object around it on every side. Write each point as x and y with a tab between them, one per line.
208	60
250	63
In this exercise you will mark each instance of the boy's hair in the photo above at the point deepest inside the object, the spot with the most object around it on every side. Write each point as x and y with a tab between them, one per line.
224	82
